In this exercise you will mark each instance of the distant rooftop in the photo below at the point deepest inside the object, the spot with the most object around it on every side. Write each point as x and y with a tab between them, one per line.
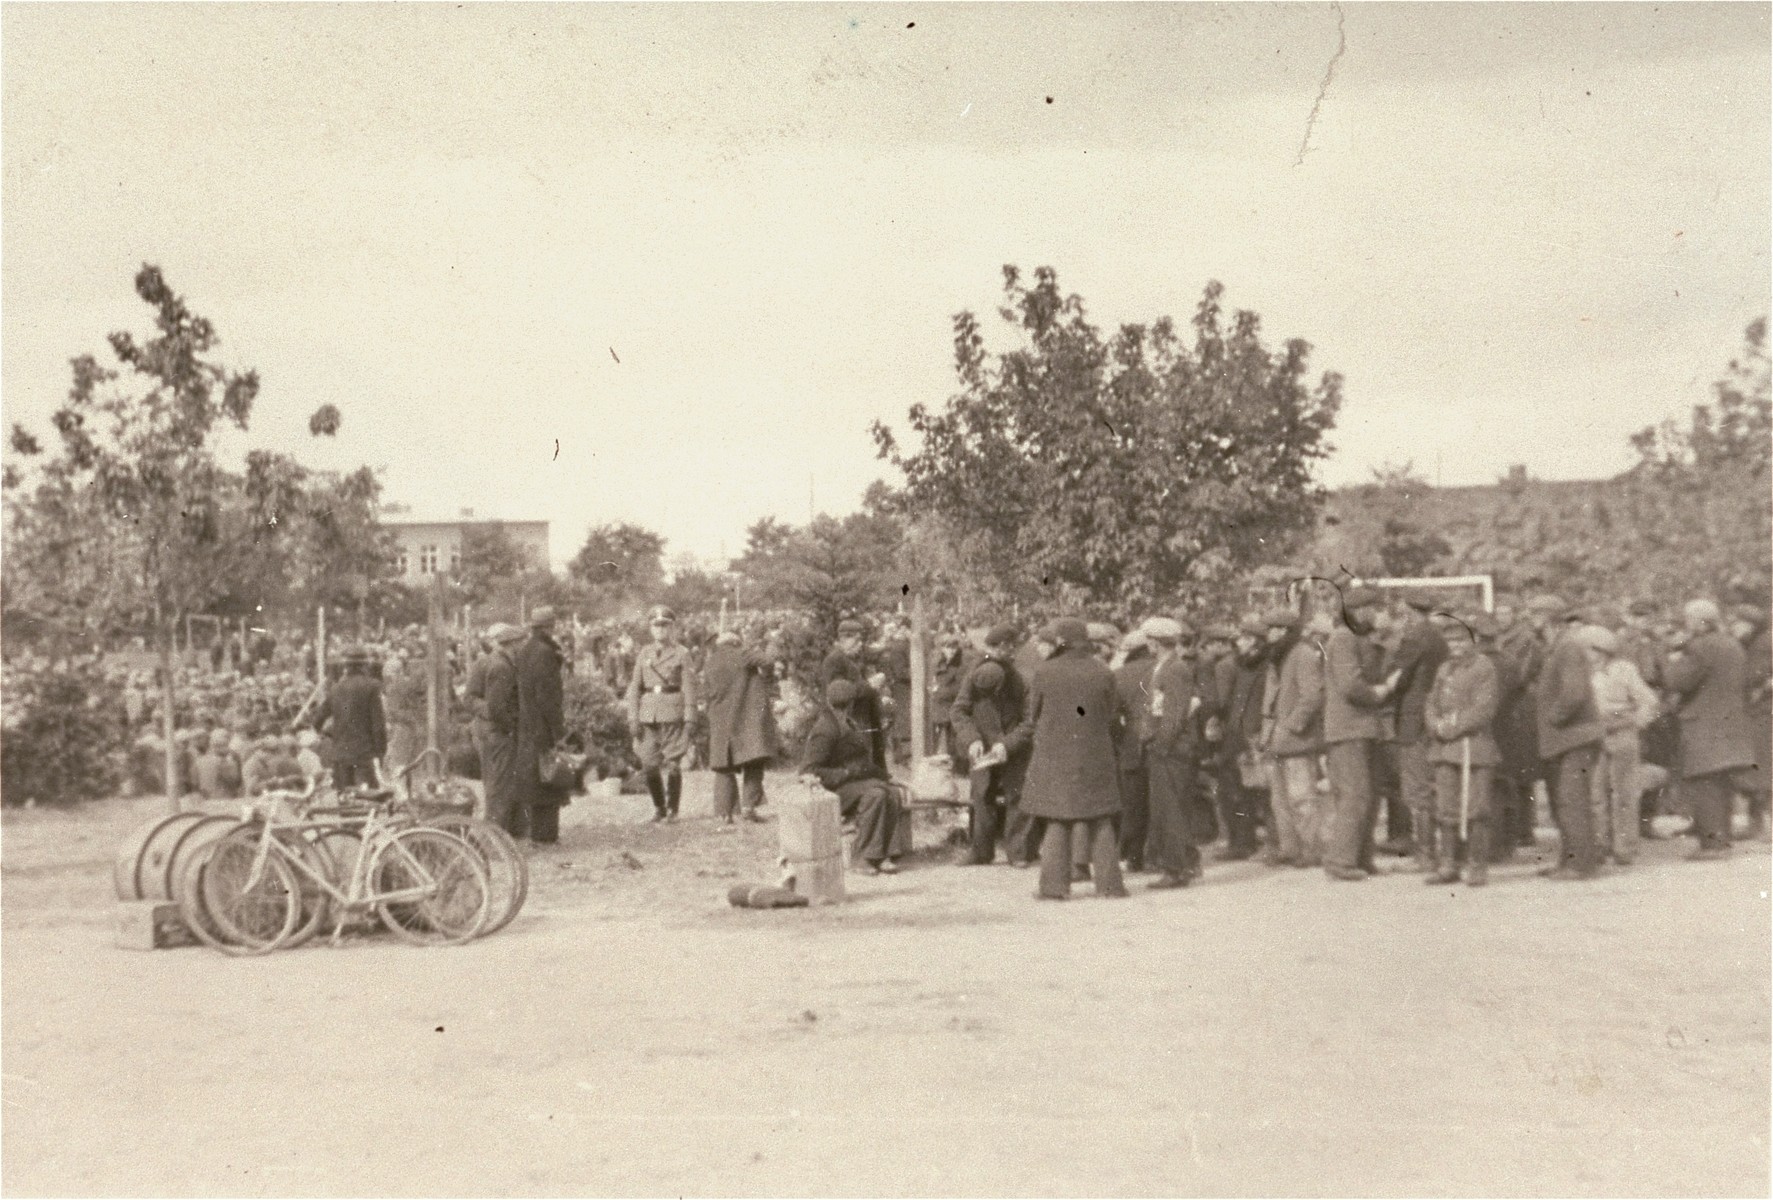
402	514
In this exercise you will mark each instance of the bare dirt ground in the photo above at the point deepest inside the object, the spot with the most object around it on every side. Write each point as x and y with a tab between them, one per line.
941	1034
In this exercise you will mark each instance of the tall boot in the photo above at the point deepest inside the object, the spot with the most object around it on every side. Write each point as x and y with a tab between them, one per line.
673	793
1446	853
655	787
1477	855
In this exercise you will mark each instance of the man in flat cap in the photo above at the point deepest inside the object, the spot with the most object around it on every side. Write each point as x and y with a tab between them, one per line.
1293	738
1570	735
1354	693
1071	783
996	792
500	776
541	724
1749	627
352	715
1419	651
1132	688
662	699
1240	721
1708	675
1172	748
865	710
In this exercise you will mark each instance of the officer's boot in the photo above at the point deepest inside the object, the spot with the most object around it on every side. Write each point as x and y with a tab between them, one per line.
673	793
655	786
1477	855
1446	853
1422	829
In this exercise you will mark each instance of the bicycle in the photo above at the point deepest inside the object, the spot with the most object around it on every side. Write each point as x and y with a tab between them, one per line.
426	885
448	804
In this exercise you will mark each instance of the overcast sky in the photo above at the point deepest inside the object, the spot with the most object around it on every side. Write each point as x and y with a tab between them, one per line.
1521	232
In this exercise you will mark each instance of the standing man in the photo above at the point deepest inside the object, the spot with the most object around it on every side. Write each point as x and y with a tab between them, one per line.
1006	692
1458	714
1171	748
1293	737
1749	628
353	716
1132	689
661	699
1708	673
1570	735
1240	725
1353	697
1518	652
1627	706
500	778
845	662
1419	653
1071	782
741	725
541	724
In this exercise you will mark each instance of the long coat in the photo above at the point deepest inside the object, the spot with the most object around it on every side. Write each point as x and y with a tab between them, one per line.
541	715
865	710
1132	688
1420	652
1072	774
1564	699
1711	678
352	714
1293	707
1465	692
741	724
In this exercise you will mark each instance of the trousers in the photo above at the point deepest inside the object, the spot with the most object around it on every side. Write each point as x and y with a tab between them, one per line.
1615	797
1239	808
1713	798
1294	802
498	776
1572	804
1349	841
1446	794
986	814
1057	849
1172	847
727	782
1135	816
1416	789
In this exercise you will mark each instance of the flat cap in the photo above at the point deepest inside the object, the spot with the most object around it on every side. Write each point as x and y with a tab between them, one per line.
839	692
1001	635
987	678
848	625
542	615
1548	603
1133	639
1251	625
1280	617
1161	629
1701	610
1642	608
1102	632
1219	632
1599	638
1069	631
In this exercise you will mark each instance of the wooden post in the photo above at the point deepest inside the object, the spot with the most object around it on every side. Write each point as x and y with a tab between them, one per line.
434	663
919	680
168	636
320	645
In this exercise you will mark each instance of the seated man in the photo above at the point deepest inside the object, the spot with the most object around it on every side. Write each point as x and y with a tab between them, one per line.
840	755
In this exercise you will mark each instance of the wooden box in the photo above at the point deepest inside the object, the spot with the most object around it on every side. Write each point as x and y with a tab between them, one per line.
809	827
820	880
151	925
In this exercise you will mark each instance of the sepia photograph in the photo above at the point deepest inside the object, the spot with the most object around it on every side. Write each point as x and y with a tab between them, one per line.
885	599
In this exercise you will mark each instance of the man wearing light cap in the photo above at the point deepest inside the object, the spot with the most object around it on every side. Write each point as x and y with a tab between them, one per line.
661	701
1354	693
1132	688
1172	747
1627	705
499	774
997	790
1569	739
541	724
1709	677
1292	739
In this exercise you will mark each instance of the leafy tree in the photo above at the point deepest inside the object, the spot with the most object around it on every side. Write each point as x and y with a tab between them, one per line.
1121	470
620	565
829	569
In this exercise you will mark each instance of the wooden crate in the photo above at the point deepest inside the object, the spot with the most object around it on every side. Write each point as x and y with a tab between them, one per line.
820	880
151	925
809	827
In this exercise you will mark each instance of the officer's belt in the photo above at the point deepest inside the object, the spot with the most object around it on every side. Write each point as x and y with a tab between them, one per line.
667	690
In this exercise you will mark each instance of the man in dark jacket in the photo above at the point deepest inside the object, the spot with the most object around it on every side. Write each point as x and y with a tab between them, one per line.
1749	628
1570	733
541	724
1132	688
865	710
1170	730
838	754
1518	652
1071	783
741	725
1419	653
1009	701
1708	673
499	774
353	716
1239	713
997	739
1354	693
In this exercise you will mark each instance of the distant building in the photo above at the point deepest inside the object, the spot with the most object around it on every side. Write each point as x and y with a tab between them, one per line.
426	545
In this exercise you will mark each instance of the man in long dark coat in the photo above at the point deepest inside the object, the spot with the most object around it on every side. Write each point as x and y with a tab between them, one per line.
1171	734
1009	701
1132	688
1749	628
1240	722
865	710
1708	673
1570	733
352	715
541	723
500	776
741	725
1071	782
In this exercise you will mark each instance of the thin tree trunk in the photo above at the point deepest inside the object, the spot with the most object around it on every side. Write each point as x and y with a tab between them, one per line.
174	793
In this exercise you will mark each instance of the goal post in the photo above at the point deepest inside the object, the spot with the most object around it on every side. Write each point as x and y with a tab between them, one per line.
1485	585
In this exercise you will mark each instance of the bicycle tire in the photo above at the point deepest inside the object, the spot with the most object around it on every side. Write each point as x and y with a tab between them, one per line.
316	902
457	903
258	920
188	892
507	870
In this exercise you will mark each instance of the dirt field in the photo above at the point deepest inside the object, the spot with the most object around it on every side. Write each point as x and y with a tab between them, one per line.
1266	1032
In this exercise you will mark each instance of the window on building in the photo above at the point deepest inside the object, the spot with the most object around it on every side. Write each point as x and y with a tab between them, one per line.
402	564
455	560
427	560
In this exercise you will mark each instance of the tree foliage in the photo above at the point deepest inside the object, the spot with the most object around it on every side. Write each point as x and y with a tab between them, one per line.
829	569
620	566
1125	469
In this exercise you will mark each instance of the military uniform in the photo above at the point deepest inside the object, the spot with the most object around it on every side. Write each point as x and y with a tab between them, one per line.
661	700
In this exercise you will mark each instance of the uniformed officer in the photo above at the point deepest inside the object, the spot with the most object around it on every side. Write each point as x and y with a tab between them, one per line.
661	700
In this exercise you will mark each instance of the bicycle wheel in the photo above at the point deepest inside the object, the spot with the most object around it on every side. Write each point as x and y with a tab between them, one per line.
188	891
452	906
316	903
507	870
257	919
